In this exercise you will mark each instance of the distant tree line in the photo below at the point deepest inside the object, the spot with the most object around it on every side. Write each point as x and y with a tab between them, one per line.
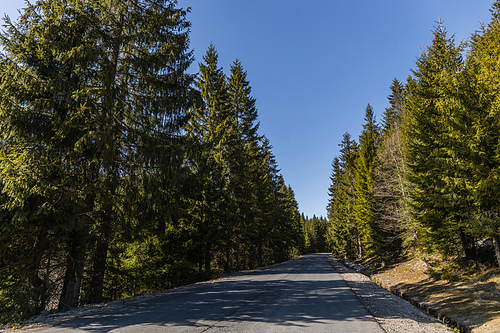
314	233
427	177
120	172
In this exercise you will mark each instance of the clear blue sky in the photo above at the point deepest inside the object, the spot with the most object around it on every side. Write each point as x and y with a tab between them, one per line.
314	66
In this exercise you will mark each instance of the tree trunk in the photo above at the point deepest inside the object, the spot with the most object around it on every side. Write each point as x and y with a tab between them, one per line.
227	264
237	256
99	265
200	263
259	253
207	259
468	244
99	270
74	271
496	245
38	286
359	249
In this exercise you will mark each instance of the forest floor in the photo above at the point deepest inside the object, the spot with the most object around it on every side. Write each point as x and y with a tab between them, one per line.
472	300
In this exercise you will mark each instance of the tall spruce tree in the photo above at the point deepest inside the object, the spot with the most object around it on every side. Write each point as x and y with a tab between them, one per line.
211	128
391	188
242	150
337	234
436	148
392	115
481	99
342	234
364	182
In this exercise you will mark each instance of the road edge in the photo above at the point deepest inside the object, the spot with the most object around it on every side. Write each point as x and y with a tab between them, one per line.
50	318
433	312
443	318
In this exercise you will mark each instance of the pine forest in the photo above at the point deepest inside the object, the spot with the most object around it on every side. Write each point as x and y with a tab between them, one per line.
122	173
425	180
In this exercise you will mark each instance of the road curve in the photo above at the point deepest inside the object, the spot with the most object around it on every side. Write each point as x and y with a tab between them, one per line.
305	294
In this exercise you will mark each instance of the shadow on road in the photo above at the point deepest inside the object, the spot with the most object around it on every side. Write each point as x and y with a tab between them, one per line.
300	293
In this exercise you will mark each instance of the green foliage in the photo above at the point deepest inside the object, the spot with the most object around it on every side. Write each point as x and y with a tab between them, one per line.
393	114
244	214
436	133
352	231
364	181
315	231
342	235
431	179
480	98
121	174
391	189
107	188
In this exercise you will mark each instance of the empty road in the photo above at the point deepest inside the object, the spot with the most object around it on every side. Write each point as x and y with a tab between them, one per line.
305	294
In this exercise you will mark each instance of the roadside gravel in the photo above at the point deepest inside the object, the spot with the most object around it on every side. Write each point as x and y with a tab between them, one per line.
393	313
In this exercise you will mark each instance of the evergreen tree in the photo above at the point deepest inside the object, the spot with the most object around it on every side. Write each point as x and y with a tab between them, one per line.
98	87
391	188
392	115
435	141
241	201
480	96
210	127
285	236
242	104
45	171
242	151
337	233
363	184
266	206
342	232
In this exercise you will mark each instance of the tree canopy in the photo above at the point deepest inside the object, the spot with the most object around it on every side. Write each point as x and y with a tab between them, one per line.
122	173
427	181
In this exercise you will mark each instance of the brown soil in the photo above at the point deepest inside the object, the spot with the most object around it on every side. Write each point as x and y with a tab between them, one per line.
474	301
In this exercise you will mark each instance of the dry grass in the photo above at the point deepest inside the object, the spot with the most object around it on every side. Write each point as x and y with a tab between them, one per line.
471	298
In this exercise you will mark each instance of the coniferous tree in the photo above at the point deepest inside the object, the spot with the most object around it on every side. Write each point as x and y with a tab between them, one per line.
210	128
480	96
337	235
43	124
391	188
242	151
342	232
440	199
285	235
242	104
111	175
363	184
392	115
92	104
266	204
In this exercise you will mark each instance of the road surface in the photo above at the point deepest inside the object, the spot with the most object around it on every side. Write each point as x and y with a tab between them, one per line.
305	294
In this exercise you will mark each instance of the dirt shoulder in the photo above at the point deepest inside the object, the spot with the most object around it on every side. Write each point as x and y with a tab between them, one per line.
394	314
472	302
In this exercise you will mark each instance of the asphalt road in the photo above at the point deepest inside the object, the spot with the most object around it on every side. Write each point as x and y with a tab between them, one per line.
301	295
